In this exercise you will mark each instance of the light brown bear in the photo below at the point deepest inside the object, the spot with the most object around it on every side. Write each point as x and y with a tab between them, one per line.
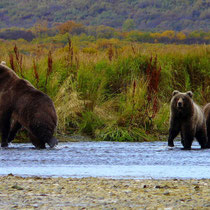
21	104
187	118
207	116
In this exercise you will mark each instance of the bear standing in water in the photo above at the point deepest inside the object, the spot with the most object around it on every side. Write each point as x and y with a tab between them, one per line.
26	106
207	116
188	118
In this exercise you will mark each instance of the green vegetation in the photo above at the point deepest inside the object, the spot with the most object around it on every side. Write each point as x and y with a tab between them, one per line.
146	15
111	89
60	33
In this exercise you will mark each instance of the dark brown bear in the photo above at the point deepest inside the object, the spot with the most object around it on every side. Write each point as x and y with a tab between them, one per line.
187	118
207	116
23	105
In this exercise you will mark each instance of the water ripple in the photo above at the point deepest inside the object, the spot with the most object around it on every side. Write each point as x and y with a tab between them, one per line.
107	159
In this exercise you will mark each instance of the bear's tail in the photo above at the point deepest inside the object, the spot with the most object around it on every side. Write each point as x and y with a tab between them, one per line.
52	142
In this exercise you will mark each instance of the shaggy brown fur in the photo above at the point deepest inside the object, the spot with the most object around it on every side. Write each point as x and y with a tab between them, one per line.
187	118
207	116
26	106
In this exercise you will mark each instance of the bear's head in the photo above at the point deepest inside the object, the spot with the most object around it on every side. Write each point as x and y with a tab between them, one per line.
182	102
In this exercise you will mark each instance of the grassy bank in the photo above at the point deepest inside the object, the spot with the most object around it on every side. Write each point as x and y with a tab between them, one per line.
109	89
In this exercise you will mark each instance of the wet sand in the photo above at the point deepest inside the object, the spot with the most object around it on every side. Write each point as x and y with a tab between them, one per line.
99	193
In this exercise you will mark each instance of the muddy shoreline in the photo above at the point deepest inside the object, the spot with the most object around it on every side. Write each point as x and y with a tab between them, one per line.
99	193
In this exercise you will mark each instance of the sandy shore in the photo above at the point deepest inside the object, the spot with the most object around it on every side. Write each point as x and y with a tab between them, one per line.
98	193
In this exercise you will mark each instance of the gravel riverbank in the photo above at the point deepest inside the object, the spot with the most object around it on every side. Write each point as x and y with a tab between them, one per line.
99	193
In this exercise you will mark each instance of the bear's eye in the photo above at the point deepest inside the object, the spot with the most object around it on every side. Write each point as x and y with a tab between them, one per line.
176	100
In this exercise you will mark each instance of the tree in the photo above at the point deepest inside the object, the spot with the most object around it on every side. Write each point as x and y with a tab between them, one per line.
168	34
128	25
71	27
180	36
104	32
40	28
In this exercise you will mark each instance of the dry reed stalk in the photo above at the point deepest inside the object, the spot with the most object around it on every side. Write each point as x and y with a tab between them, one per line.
133	49
49	69
110	53
16	51
36	74
19	59
70	52
134	91
153	77
116	53
77	61
133	98
11	60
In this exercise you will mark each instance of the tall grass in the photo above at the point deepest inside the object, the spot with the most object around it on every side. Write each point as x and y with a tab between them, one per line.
110	89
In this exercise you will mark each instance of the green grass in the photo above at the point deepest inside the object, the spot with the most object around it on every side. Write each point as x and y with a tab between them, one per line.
114	99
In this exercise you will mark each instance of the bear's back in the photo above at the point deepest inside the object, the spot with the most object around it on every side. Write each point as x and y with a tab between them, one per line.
7	76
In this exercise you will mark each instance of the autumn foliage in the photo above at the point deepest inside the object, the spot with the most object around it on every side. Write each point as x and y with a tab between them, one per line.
71	27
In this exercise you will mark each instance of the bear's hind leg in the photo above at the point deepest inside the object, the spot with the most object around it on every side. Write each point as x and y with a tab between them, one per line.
182	139
208	142
201	138
208	133
13	131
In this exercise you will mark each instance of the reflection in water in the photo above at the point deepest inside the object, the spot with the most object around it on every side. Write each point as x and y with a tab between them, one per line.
107	159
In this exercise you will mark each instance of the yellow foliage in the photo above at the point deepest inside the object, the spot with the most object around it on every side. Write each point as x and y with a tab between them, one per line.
156	35
169	34
207	37
181	36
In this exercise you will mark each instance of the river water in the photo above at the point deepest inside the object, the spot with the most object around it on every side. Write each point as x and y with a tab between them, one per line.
119	160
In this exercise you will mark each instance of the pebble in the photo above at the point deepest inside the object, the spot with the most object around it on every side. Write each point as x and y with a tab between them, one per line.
99	193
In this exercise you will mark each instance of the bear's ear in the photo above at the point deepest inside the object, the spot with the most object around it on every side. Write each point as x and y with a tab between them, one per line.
175	92
189	93
3	63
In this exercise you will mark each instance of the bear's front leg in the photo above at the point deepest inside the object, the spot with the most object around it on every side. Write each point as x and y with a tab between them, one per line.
182	139
188	137
37	142
173	132
5	122
4	144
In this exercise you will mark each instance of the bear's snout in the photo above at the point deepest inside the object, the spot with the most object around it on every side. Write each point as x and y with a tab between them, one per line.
180	103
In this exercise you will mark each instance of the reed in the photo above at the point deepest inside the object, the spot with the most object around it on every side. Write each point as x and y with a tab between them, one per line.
153	76
49	68
70	52
11	61
19	60
36	74
110	53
